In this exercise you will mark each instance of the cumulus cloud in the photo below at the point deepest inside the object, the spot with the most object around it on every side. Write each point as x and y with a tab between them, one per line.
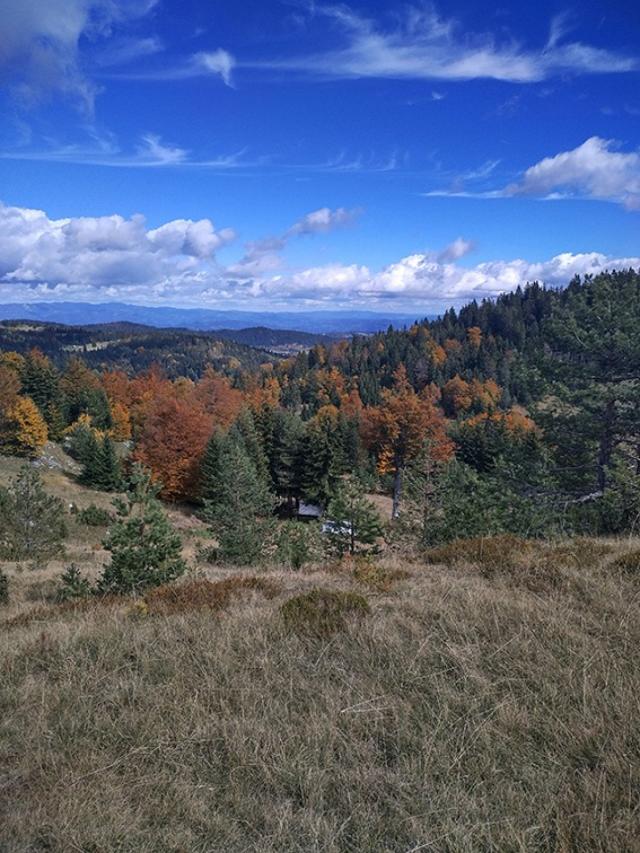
90	254
40	44
429	47
114	258
594	169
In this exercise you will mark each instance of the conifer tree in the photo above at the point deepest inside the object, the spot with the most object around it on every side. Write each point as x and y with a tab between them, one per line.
145	549
240	513
352	520
106	467
32	523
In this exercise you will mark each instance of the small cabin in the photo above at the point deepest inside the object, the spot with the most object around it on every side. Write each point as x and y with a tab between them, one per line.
308	512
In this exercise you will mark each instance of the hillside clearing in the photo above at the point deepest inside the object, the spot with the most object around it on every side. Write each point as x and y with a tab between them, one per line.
464	713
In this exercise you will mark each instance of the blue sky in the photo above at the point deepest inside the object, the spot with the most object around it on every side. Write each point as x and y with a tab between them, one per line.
307	154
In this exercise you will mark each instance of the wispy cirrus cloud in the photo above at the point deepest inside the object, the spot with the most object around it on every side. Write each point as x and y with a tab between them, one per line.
427	46
264	255
151	151
216	63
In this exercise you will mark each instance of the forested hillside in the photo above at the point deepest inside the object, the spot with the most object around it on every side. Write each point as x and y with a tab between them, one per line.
517	415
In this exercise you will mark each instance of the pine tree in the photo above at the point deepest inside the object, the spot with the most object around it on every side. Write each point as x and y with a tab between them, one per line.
145	549
32	523
352	520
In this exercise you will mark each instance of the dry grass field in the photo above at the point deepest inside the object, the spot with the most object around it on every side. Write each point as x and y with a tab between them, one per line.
484	698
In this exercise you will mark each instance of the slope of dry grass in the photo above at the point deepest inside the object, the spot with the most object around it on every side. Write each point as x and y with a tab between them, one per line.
468	711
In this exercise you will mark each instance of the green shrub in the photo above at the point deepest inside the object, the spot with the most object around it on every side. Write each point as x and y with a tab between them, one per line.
72	585
4	588
298	544
95	516
322	611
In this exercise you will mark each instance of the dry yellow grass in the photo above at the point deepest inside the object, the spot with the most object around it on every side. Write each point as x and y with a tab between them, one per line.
463	714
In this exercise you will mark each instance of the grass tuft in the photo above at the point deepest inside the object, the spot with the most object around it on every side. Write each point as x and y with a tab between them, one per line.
322	611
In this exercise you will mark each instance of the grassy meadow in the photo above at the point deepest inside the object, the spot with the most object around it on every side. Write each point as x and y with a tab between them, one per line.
483	697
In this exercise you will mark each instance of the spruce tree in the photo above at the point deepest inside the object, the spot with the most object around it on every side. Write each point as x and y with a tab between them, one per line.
32	525
352	521
145	549
106	467
240	513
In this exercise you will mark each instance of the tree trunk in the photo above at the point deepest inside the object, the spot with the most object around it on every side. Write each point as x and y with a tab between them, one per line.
605	449
397	488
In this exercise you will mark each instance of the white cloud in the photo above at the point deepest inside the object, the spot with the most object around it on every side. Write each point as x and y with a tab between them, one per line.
40	43
216	63
323	220
113	258
262	255
594	169
429	47
219	62
89	254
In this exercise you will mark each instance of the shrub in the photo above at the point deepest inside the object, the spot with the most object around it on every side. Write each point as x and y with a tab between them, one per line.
95	516
298	544
72	585
4	588
322	611
486	551
205	594
376	577
629	562
580	551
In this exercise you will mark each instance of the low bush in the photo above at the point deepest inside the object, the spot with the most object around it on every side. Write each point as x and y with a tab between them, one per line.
486	551
375	577
72	585
95	516
322	611
580	551
205	594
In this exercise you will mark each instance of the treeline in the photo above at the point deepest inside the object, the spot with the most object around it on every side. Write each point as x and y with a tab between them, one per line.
520	414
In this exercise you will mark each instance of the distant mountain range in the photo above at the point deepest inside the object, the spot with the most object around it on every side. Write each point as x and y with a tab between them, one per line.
204	319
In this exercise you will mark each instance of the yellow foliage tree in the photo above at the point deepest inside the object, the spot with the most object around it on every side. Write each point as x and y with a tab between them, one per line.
24	430
120	422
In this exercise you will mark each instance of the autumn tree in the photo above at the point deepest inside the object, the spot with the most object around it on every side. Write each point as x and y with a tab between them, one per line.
120	422
23	429
397	429
171	444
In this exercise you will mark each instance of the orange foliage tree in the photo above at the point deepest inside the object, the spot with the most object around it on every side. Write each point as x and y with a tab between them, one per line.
219	399
399	427
171	443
